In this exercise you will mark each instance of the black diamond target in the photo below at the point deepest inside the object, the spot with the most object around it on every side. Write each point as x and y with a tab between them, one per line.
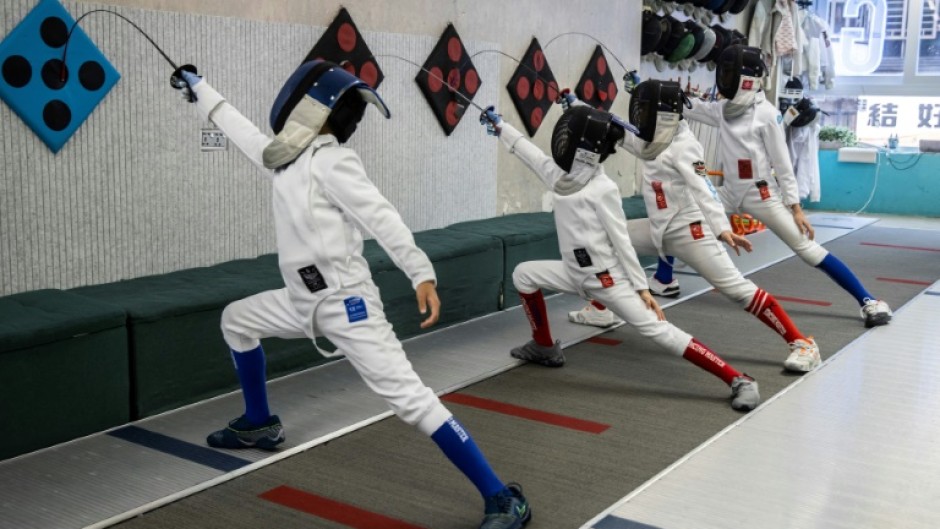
597	86
533	88
343	44
448	63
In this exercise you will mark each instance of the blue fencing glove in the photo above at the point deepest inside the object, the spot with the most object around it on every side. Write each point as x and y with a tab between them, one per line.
630	80
566	99
184	78
491	119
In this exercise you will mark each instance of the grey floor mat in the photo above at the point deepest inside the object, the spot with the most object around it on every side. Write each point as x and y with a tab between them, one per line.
658	407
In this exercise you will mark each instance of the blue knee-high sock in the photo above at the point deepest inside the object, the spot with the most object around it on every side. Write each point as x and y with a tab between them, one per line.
664	270
844	277
251	375
459	447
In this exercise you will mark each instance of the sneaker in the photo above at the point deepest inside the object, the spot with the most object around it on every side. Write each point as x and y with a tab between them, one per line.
508	509
876	312
242	434
591	315
804	356
663	290
744	394
533	352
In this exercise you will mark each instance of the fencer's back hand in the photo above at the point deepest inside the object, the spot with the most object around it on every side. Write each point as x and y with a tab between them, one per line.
184	79
566	99
651	304
803	223
491	120
736	242
427	299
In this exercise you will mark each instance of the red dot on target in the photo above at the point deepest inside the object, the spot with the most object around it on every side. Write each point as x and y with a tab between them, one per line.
450	114
369	73
453	79
588	89
536	118
435	79
471	82
346	37
552	90
602	95
601	65
612	90
538	90
538	60
453	49
522	88
349	67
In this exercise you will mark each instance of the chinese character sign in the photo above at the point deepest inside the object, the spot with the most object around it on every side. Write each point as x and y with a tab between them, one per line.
909	118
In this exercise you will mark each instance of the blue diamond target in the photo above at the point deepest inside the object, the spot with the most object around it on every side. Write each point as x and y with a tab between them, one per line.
52	103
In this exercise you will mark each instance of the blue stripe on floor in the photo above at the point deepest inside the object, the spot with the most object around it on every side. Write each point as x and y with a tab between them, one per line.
181	449
933	292
613	522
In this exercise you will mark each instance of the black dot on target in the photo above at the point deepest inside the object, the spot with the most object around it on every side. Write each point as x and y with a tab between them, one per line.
16	71
57	115
91	76
54	32
53	74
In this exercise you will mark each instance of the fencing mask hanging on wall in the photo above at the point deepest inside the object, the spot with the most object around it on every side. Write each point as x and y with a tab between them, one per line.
317	92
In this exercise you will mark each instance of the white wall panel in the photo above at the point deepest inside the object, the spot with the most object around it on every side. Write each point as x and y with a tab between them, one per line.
132	194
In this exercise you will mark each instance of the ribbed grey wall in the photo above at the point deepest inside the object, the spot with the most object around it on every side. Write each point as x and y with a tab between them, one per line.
132	194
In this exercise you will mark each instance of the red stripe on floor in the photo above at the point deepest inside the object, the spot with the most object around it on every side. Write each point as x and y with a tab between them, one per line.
919	248
804	301
905	281
328	509
526	413
603	341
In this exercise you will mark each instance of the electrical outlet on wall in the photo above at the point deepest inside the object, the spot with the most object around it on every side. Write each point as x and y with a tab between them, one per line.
213	140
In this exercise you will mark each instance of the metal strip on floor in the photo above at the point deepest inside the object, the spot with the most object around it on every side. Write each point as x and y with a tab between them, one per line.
851	444
102	479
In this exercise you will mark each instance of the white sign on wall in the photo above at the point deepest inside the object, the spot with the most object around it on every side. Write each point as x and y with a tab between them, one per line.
910	118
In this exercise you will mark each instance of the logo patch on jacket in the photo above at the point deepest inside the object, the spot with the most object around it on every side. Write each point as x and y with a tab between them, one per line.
696	229
584	259
700	169
764	190
606	280
312	278
356	309
745	169
660	196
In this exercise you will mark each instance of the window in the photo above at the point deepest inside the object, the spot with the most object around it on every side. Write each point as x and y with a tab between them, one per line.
884	47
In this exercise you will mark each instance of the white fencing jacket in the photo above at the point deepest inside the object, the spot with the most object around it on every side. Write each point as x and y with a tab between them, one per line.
321	202
752	149
803	143
676	186
589	222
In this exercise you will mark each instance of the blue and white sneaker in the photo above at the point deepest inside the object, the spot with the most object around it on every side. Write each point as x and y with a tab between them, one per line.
242	434
507	509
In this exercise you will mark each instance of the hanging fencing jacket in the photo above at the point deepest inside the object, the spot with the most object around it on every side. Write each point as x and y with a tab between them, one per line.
317	92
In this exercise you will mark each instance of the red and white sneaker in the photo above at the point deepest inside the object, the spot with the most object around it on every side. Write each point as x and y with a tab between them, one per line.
804	356
591	315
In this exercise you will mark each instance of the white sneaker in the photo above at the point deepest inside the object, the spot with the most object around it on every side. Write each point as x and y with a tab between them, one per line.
804	356
663	290
876	312
744	393
591	315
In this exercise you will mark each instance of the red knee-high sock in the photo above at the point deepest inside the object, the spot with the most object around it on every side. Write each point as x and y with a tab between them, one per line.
765	307
534	305
598	305
700	355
